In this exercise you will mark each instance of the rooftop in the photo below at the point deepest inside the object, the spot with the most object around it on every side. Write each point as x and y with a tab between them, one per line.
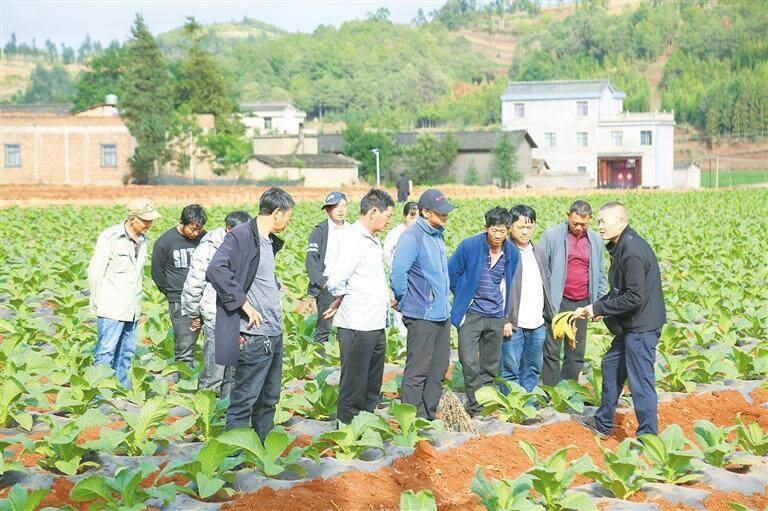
45	109
306	160
560	89
469	141
268	106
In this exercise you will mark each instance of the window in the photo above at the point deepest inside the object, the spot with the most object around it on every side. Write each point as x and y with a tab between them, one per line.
582	110
617	138
581	139
108	155
550	140
12	155
581	168
519	109
267	123
646	138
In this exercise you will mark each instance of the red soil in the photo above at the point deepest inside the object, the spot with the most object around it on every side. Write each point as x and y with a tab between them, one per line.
448	474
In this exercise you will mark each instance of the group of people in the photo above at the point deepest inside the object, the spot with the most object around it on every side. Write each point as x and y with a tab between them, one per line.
505	291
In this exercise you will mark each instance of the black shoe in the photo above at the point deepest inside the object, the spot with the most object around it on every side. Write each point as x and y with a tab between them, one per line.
589	423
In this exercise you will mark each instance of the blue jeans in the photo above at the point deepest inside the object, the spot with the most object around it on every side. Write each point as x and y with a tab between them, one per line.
115	346
522	356
213	376
631	356
257	383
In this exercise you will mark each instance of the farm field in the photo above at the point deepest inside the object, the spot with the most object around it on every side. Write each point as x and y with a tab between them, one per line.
735	178
73	439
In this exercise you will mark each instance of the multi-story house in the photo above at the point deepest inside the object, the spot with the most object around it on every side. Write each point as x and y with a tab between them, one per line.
580	128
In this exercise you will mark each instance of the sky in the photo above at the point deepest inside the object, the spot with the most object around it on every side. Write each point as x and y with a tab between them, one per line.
69	21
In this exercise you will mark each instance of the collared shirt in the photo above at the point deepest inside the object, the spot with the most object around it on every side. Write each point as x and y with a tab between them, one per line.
335	234
264	294
530	314
577	268
489	299
358	276
137	242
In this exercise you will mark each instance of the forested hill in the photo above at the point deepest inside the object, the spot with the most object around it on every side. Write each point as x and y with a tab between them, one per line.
706	60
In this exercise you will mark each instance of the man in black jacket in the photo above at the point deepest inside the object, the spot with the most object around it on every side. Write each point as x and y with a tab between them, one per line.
634	312
249	320
322	251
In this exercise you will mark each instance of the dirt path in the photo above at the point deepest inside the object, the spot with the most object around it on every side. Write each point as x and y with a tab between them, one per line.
448	474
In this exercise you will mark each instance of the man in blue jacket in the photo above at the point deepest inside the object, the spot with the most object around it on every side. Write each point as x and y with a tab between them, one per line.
481	271
420	283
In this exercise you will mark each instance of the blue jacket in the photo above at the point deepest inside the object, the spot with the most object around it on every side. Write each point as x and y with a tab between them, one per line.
466	267
419	276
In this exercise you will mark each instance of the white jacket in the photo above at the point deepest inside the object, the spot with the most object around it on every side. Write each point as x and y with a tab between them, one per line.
198	299
115	273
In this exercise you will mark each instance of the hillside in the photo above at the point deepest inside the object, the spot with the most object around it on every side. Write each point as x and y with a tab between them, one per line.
17	71
218	36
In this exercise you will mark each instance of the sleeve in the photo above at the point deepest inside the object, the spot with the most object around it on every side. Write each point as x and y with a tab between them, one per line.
221	274
634	294
195	284
389	247
602	284
312	262
159	258
344	267
97	267
546	246
457	264
405	255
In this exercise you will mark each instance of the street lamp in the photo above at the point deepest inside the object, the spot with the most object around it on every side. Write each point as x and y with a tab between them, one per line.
378	175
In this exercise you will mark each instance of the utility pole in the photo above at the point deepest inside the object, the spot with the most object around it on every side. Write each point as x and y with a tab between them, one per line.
378	173
717	172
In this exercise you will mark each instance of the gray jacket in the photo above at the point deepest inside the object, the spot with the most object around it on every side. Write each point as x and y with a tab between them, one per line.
198	299
517	288
554	243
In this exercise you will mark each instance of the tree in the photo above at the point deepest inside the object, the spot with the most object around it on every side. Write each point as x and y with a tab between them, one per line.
104	76
50	50
86	48
473	176
67	54
147	104
52	85
505	162
358	144
428	160
11	47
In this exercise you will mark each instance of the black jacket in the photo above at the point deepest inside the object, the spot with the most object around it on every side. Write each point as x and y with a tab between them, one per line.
315	260
231	273
635	302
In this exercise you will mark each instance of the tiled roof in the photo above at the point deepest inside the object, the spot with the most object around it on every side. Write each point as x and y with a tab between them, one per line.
559	89
306	160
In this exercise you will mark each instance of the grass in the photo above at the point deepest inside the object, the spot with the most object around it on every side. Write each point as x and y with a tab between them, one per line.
734	177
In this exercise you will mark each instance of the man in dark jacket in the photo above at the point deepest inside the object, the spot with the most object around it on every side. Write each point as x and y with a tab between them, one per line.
403	186
481	271
171	258
634	312
249	320
322	251
530	310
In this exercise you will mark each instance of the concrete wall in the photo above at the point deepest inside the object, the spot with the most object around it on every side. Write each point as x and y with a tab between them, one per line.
282	122
64	150
553	181
483	161
320	177
285	145
689	177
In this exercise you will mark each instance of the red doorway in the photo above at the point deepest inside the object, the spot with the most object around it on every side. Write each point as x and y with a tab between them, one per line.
619	172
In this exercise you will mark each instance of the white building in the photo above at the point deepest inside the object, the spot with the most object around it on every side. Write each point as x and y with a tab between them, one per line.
272	118
580	128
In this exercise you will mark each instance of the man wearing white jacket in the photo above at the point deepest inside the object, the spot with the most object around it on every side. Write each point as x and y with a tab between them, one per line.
198	300
114	282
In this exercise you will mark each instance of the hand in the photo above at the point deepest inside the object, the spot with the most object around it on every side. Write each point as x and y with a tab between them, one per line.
584	312
507	330
393	304
196	324
254	316
333	309
598	319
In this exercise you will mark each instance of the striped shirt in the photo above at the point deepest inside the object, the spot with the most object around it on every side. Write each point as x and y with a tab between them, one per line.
489	300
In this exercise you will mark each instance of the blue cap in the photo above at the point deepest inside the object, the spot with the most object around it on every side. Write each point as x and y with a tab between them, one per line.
333	198
434	200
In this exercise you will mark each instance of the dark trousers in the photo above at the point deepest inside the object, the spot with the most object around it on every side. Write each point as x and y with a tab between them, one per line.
573	360
362	369
631	356
183	338
323	326
428	350
479	351
257	382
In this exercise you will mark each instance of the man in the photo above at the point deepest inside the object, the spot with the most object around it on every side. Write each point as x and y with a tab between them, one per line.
322	251
481	271
114	282
576	263
249	316
198	301
420	283
360	309
634	312
403	186
170	263
530	306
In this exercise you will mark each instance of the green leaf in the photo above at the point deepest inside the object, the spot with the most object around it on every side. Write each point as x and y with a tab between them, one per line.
91	488
208	486
421	501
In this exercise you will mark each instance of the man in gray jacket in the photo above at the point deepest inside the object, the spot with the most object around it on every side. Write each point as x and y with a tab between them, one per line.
198	301
576	262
